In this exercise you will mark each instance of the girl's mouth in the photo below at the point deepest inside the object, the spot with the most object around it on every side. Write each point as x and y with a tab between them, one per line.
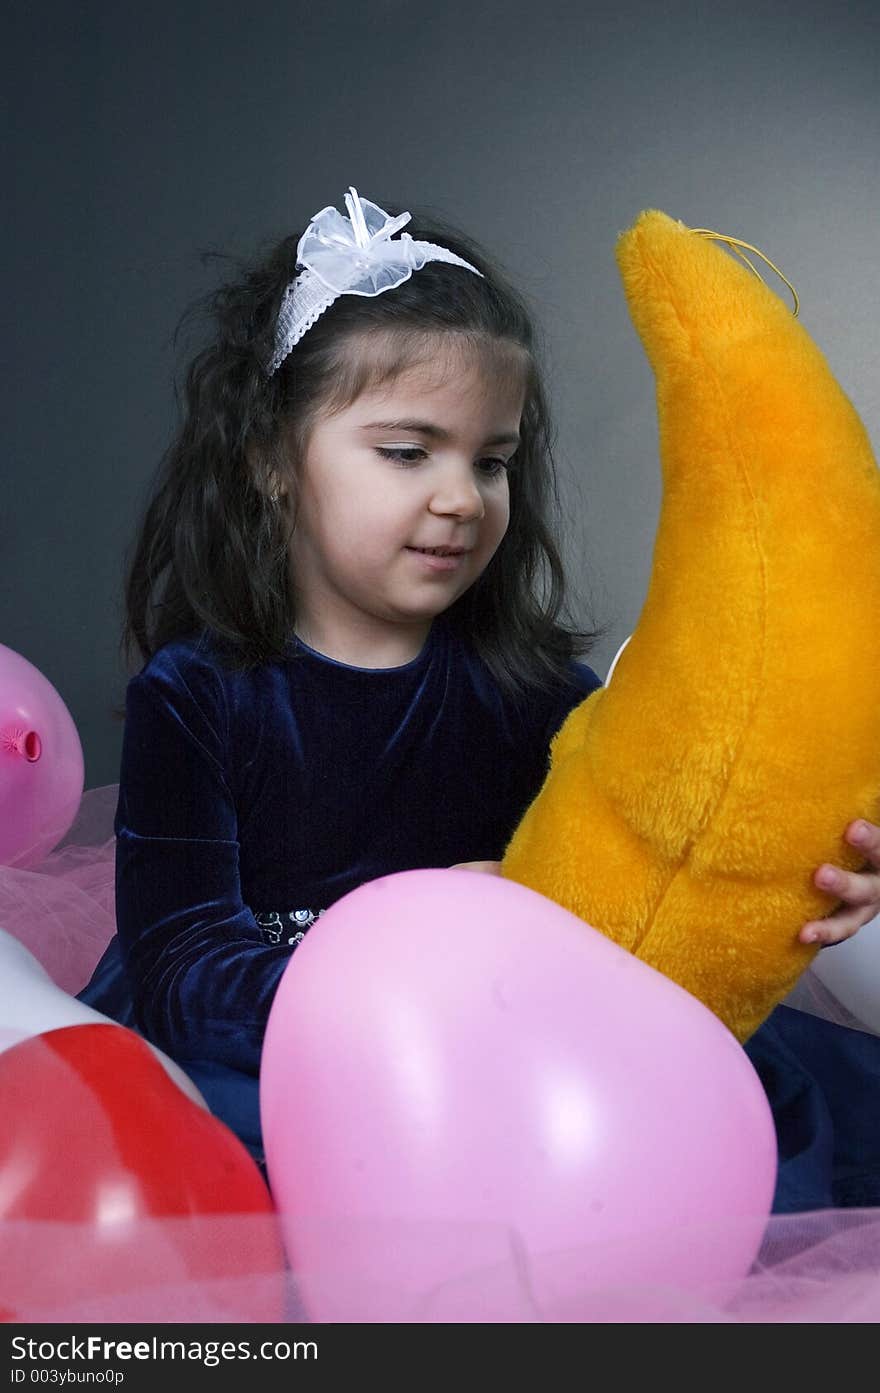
440	558
439	551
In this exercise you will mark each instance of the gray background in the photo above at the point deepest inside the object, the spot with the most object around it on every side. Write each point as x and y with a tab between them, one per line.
143	135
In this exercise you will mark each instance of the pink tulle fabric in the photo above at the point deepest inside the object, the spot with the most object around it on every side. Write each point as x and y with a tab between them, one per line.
817	1267
821	1267
62	909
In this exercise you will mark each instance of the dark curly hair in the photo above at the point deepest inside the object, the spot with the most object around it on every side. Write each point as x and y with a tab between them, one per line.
212	552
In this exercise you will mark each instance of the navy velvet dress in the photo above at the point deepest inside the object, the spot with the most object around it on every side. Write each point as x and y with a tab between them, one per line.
250	802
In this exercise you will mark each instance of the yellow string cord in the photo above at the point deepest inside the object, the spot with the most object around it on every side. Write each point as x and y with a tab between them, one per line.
736	246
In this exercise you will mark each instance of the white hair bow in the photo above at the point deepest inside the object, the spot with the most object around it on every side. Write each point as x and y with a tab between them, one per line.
349	256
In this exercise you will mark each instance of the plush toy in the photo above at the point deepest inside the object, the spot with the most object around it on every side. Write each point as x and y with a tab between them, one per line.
689	802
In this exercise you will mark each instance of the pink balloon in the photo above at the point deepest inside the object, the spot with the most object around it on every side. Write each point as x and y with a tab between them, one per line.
41	763
453	1055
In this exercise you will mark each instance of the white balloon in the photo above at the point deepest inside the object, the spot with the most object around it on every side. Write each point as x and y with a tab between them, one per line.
851	971
31	1004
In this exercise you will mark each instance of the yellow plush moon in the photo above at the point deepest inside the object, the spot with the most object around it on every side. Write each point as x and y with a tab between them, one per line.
688	804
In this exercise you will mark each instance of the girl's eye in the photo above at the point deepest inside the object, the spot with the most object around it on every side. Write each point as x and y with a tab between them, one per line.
492	467
401	454
413	454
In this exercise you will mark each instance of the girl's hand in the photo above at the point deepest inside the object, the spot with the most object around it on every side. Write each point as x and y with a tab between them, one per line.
859	891
487	867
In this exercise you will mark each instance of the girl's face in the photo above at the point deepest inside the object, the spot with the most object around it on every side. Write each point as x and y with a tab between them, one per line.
402	500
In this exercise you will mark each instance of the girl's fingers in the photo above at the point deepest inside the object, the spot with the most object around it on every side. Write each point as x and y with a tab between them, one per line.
866	836
860	888
844	923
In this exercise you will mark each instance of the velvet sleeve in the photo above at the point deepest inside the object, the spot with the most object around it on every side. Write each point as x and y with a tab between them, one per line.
201	974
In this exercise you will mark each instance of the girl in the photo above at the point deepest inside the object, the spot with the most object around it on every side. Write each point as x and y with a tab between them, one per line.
349	605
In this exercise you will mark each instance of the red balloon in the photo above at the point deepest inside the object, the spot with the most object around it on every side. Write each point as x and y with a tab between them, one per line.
148	1187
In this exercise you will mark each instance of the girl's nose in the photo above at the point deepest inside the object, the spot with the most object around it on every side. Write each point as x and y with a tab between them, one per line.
457	494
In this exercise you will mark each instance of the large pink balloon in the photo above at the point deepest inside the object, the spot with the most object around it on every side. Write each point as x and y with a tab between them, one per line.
41	763
452	1054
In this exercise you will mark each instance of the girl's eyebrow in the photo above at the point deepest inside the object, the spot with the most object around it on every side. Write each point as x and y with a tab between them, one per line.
434	432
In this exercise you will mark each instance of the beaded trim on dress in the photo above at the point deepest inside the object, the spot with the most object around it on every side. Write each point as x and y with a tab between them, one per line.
286	926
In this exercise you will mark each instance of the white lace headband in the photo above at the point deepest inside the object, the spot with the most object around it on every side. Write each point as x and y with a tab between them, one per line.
349	256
